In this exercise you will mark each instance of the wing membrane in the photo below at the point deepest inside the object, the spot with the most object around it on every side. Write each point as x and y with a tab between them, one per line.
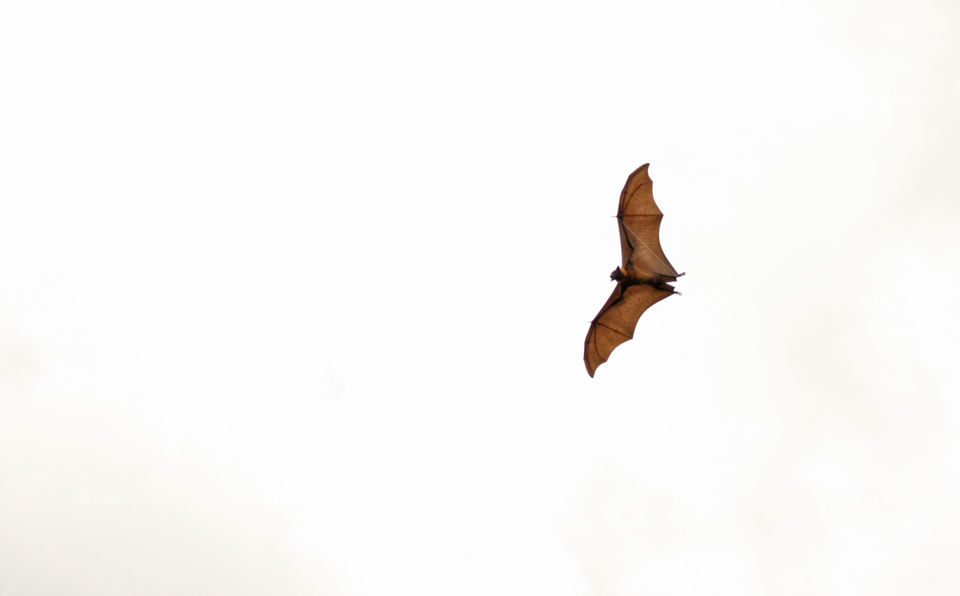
639	219
617	320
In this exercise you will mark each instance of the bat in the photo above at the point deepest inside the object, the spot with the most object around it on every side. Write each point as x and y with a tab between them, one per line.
643	276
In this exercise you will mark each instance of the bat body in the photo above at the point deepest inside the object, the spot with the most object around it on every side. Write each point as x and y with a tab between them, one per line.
643	276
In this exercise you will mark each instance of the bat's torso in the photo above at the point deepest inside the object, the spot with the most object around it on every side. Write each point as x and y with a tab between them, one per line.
655	280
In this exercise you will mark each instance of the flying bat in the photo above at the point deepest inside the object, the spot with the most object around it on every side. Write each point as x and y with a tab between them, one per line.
642	277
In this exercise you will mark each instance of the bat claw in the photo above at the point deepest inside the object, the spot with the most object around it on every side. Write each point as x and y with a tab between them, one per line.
682	274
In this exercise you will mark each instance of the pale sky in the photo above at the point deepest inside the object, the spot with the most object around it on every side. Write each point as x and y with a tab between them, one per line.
294	296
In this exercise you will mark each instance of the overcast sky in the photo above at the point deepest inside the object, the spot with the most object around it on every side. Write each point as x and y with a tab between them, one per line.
294	294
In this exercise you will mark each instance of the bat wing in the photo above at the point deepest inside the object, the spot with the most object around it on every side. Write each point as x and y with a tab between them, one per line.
639	219
617	320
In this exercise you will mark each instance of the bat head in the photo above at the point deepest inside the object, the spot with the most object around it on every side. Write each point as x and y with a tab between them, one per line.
617	274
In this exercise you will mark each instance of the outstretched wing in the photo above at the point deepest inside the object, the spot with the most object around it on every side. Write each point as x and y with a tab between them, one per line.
617	320
639	219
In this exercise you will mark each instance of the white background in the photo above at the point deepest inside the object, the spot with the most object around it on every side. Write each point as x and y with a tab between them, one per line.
293	298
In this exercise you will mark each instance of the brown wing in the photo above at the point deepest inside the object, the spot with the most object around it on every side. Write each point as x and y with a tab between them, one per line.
639	219
617	320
